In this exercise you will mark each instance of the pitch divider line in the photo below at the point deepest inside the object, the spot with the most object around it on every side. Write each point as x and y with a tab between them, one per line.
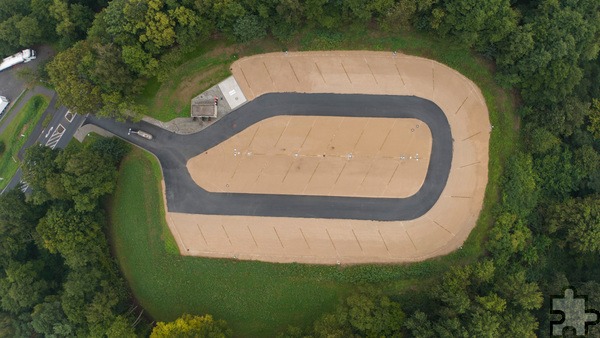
283	131
279	238
408	235
370	70
202	234
462	104
305	240
357	241
472	136
311	176
252	235
320	73
383	240
400	74
247	82
226	234
346	72
331	240
268	73
386	136
294	71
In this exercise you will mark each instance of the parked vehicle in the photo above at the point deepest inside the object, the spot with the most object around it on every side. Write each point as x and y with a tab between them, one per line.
23	56
140	133
3	104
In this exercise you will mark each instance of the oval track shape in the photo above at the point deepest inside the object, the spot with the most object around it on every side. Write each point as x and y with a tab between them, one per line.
184	196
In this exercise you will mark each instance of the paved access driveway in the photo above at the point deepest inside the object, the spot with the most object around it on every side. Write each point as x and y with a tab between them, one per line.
184	196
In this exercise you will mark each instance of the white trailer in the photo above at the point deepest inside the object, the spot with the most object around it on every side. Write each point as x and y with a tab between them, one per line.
23	56
3	104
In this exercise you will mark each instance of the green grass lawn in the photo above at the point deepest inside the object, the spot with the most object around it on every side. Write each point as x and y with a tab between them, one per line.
260	299
257	299
17	132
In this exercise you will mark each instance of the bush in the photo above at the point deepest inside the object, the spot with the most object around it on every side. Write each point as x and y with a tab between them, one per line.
249	28
284	31
113	148
520	193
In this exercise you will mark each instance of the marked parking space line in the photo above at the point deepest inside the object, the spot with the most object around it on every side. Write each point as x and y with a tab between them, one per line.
56	136
69	116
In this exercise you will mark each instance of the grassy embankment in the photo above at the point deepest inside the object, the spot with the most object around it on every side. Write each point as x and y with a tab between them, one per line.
17	132
197	71
259	299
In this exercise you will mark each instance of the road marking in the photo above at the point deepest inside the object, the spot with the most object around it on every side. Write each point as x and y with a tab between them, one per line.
69	116
24	186
56	136
49	131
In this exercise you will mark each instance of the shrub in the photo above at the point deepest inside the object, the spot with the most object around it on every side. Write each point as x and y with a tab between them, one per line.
248	28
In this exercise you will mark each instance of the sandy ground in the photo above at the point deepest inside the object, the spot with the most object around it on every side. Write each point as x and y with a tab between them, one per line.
317	155
324	241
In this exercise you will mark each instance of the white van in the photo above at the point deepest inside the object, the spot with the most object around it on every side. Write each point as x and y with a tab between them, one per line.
3	104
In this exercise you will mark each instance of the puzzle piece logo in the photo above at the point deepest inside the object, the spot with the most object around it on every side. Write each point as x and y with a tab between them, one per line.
574	314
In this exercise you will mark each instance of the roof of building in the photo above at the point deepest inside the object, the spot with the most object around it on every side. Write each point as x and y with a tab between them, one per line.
204	107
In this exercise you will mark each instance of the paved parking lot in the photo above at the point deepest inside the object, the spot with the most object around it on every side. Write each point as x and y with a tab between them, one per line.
11	84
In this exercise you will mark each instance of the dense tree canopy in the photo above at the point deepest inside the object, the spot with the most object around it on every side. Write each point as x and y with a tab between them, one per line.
56	274
547	52
92	78
75	174
577	222
478	300
24	23
477	23
17	224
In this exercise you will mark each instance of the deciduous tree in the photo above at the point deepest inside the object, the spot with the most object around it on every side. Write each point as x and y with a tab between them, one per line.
22	286
72	234
576	223
17	225
49	319
520	193
192	326
41	172
86	176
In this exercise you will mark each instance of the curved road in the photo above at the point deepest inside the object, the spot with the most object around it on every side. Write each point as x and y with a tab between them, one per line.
183	195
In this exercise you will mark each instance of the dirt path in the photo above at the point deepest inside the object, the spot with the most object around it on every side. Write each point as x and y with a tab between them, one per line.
328	241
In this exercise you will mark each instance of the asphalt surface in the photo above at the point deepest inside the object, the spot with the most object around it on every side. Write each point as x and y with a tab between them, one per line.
50	135
10	82
183	195
11	113
11	85
57	134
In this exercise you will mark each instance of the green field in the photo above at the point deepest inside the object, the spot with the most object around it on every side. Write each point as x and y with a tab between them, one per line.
257	299
260	299
17	132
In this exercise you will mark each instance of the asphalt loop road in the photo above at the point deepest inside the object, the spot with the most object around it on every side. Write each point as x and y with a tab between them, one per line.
183	195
